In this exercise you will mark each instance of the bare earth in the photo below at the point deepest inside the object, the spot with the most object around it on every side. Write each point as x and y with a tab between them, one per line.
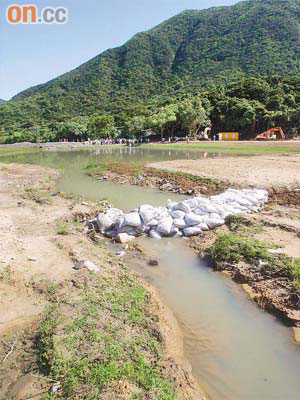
259	171
33	255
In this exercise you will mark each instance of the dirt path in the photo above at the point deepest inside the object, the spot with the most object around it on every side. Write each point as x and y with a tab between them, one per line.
41	238
259	171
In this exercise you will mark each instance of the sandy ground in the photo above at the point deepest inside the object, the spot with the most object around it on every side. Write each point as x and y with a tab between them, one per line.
259	171
33	255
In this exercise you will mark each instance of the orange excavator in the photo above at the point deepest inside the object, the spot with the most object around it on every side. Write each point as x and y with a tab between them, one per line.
272	134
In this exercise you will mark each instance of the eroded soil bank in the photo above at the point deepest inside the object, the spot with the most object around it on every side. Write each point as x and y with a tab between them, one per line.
280	174
69	333
271	279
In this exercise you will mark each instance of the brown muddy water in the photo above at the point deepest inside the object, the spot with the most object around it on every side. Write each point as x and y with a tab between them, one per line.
237	351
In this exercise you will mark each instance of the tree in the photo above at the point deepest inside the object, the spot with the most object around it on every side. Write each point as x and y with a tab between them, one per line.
73	129
101	127
161	118
192	116
136	124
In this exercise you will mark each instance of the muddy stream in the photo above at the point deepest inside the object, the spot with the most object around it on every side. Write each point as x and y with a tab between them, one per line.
237	351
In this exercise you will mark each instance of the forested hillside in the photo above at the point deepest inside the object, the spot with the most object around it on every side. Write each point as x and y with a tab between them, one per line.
209	56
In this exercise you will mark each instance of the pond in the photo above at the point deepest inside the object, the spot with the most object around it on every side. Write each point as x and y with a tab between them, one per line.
237	351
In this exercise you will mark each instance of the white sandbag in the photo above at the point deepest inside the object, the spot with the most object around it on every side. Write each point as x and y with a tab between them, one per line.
198	211
161	212
147	213
132	219
171	204
154	234
204	227
192	203
164	226
177	214
106	221
214	223
153	222
192	231
202	200
178	234
207	208
219	207
183	206
243	201
214	216
173	230
180	223
252	199
193	219
130	230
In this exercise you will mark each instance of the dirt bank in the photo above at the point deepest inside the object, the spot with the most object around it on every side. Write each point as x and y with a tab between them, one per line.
139	174
268	282
241	250
279	174
47	305
278	224
258	171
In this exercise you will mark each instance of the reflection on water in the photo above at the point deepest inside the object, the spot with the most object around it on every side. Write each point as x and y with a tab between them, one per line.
74	180
237	351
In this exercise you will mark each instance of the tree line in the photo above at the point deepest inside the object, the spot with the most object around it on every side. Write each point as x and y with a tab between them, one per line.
249	105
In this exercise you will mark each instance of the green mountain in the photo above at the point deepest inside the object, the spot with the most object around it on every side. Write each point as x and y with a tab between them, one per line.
192	50
2	101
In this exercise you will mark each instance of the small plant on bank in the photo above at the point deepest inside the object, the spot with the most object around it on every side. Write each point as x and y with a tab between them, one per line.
63	230
232	248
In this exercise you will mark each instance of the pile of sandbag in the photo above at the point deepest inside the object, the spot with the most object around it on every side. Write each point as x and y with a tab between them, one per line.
186	218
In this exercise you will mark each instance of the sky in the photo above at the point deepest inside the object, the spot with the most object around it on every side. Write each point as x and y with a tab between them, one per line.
34	54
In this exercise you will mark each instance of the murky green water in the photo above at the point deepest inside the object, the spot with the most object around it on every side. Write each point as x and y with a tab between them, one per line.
237	351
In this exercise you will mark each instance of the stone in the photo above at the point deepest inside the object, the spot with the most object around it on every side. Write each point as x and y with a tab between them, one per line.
124	238
86	264
153	262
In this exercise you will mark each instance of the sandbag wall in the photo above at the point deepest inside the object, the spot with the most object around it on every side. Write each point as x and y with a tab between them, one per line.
186	218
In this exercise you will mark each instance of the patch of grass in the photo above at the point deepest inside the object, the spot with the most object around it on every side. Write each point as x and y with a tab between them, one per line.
52	292
224	147
243	225
45	339
13	150
96	169
38	196
120	168
6	274
232	248
63	230
102	339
